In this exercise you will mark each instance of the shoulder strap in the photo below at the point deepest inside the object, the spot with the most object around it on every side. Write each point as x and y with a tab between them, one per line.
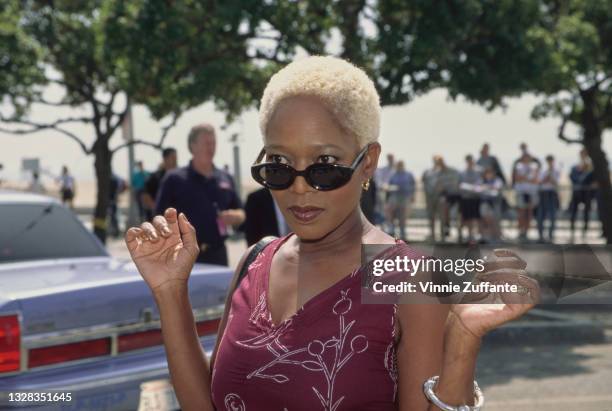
257	248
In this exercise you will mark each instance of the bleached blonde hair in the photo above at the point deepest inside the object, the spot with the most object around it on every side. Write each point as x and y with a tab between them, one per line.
345	89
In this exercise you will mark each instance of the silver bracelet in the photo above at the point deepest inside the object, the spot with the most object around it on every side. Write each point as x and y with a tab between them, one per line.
429	385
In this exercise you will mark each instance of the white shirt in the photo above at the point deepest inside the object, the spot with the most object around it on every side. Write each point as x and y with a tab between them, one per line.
67	181
554	179
528	173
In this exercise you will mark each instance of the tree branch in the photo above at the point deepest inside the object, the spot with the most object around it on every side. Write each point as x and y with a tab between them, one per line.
562	135
41	127
135	142
56	123
51	103
160	144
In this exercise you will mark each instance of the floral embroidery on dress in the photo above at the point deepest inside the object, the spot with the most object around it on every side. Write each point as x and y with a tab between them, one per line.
233	402
391	354
312	356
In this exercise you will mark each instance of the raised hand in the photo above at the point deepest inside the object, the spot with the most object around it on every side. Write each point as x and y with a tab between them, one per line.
494	309
165	251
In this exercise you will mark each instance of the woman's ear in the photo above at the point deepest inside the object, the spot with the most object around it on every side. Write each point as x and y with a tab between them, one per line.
371	160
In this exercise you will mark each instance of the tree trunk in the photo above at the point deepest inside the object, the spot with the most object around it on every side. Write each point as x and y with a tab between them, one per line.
592	142
103	168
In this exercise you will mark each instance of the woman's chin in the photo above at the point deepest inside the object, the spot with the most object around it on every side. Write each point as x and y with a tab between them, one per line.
306	235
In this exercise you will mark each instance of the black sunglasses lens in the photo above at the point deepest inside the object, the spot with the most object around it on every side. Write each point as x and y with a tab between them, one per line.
275	176
329	177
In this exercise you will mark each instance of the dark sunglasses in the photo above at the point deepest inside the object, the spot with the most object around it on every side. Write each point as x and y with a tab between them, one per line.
322	177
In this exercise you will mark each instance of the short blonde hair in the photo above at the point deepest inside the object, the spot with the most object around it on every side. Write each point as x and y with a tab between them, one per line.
345	90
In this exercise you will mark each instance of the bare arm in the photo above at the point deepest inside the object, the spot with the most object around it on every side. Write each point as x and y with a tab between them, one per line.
164	253
444	340
189	368
427	348
419	352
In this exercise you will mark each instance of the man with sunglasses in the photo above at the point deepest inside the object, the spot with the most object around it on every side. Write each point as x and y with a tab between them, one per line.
206	194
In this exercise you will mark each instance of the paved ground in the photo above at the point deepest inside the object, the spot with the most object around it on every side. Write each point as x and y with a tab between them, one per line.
525	377
546	378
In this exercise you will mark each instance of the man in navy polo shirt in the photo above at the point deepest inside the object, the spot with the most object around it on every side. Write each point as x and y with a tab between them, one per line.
205	194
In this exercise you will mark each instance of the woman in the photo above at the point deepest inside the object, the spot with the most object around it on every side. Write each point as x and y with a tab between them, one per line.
333	353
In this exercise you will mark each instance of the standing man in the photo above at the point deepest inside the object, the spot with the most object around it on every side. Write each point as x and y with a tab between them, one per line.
169	162
401	196
486	160
205	193
525	157
525	176
138	180
447	190
581	176
469	204
117	187
67	187
548	198
381	181
430	180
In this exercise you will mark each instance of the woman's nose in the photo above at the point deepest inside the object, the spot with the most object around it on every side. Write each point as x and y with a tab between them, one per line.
300	186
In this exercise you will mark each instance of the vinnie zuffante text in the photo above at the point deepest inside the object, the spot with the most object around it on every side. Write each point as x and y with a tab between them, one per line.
412	266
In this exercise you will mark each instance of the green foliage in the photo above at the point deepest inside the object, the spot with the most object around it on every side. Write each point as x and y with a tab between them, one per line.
20	72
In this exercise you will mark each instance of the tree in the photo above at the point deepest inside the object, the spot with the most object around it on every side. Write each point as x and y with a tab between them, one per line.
578	85
168	56
487	51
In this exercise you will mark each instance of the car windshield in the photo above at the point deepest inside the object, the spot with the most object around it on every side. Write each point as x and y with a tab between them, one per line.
43	231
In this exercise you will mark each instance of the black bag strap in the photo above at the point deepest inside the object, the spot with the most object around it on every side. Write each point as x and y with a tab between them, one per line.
257	248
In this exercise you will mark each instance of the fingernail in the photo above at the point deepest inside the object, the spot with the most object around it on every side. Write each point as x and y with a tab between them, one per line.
166	230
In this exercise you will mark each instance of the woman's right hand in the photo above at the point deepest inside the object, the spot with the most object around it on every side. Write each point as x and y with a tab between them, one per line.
164	252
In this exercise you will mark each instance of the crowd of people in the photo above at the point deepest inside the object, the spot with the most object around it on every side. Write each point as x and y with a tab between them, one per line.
473	201
478	196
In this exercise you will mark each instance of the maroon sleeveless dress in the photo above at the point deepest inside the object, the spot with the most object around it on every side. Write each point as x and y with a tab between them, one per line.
333	354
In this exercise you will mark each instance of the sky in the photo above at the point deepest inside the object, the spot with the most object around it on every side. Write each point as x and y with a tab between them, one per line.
431	124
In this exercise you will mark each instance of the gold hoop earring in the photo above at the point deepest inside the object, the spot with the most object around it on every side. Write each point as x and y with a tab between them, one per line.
365	185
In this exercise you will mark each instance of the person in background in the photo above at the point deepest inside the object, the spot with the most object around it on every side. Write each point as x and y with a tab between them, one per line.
430	179
447	189
581	176
67	187
401	190
381	179
486	160
263	217
548	198
525	176
490	206
35	185
524	154
469	204
117	187
205	194
138	181
151	188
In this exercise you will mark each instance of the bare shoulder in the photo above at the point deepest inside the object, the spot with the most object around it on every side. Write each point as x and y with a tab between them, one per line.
377	236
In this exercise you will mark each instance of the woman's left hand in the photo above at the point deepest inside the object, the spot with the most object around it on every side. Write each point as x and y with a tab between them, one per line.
491	310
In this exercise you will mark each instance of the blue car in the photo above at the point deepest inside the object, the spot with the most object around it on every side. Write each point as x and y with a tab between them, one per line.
79	330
